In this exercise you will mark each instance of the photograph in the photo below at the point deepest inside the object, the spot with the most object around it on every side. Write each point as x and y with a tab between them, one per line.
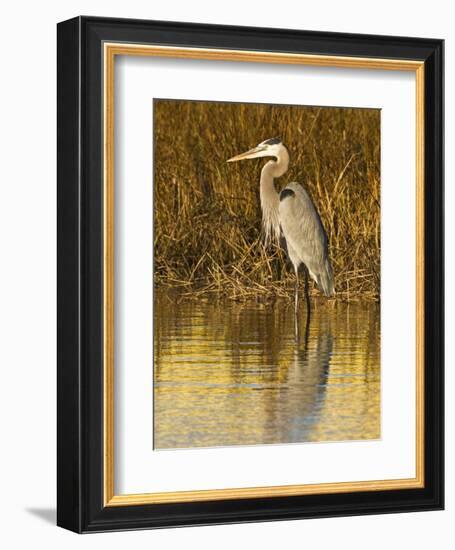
267	274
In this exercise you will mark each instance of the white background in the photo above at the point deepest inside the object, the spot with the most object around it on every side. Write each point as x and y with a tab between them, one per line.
27	229
138	468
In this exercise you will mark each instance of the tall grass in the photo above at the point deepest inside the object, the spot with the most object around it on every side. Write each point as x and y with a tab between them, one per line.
207	217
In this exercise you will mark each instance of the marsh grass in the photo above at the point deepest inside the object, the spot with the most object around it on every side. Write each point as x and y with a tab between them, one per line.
207	217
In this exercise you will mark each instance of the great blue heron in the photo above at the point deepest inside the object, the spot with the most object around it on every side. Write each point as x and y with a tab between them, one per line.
292	215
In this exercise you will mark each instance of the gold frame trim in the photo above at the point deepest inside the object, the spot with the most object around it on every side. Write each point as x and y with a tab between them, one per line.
110	51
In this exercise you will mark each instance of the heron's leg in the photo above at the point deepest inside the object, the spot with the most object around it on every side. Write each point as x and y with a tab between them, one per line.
307	297
296	306
307	332
296	296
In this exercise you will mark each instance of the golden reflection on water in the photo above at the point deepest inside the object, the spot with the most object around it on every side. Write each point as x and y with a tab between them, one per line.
230	373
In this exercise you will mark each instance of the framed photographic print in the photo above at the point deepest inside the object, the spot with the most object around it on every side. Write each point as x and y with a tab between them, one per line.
250	274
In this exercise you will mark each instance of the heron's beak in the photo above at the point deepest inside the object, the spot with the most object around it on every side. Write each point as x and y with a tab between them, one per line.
251	154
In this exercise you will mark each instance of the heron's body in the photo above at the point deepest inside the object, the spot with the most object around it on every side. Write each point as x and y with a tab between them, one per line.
291	214
306	240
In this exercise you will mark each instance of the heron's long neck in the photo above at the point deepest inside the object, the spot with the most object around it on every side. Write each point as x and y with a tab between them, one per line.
270	198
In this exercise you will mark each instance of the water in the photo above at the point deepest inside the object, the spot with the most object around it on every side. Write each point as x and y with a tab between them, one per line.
230	373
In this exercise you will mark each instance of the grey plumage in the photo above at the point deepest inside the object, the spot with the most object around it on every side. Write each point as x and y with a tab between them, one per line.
305	237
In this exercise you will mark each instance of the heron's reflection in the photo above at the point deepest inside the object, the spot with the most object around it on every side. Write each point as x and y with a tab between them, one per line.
297	328
308	374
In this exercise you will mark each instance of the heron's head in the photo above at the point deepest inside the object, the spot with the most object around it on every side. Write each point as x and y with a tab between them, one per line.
269	148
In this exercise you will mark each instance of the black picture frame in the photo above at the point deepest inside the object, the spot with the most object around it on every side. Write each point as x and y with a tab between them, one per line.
80	474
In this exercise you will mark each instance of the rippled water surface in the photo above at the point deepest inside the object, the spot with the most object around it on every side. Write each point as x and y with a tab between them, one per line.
234	374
